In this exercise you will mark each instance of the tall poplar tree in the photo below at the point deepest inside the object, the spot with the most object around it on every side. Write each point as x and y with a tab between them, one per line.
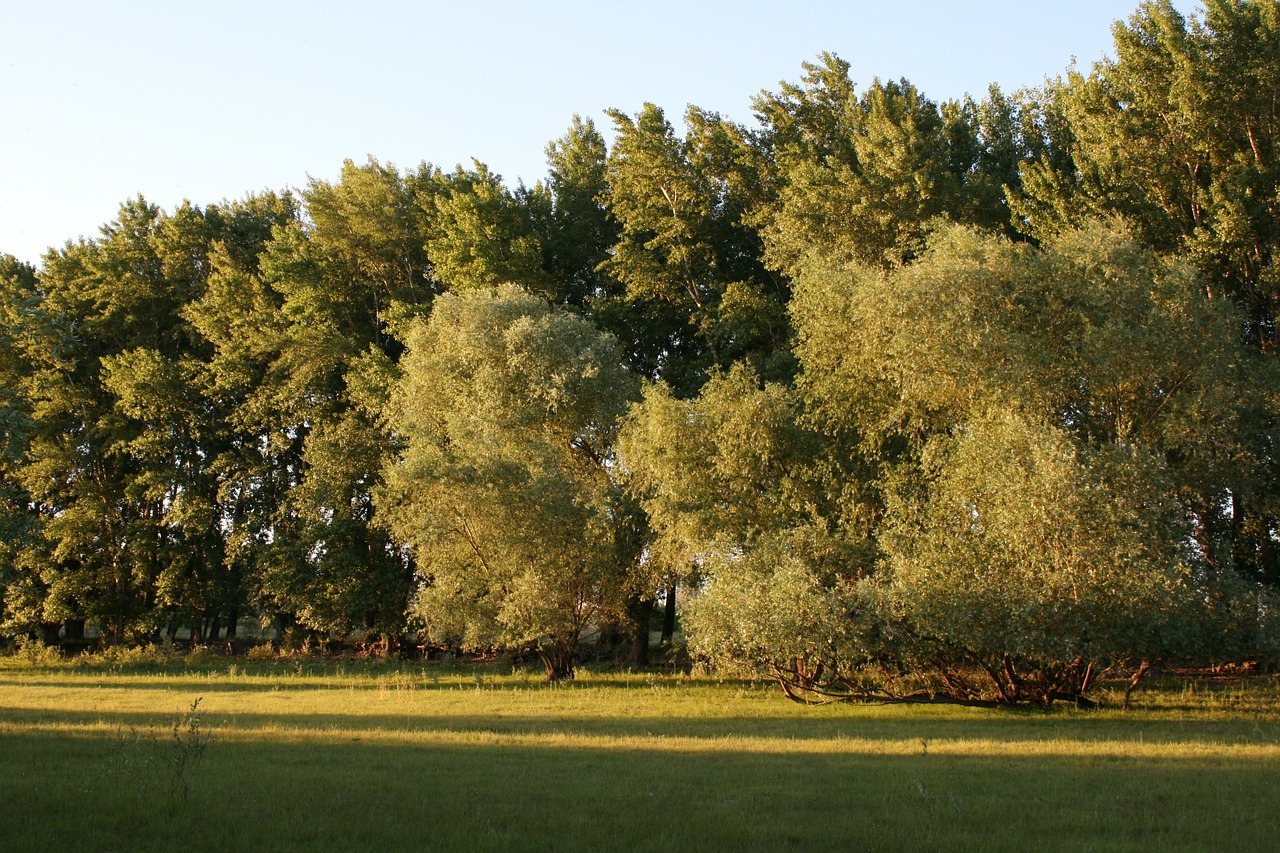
299	343
688	261
118	469
1179	135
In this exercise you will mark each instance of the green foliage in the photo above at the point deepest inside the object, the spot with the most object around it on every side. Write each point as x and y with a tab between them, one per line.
507	410
779	607
728	469
580	229
483	235
767	513
1179	134
695	292
974	397
116	462
33	345
1095	334
860	177
1040	440
1097	331
299	344
1038	563
25	343
1057	480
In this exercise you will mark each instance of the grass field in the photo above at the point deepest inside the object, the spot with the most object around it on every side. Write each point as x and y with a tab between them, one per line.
354	756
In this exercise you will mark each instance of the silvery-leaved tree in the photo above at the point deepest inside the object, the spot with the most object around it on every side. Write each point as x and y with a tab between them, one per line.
1064	432
1003	469
507	409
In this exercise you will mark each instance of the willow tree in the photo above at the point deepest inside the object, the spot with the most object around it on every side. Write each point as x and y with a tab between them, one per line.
1003	469
1068	428
506	410
771	513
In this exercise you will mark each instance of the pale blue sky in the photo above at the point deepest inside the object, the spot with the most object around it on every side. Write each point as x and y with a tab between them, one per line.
104	100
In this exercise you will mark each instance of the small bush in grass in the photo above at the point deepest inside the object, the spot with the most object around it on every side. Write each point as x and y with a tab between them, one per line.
200	655
32	651
131	764
131	656
187	748
139	760
261	652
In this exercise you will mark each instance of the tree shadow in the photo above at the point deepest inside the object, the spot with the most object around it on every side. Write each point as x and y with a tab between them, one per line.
726	732
352	793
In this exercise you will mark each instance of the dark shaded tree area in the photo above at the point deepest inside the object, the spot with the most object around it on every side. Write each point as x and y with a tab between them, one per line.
972	399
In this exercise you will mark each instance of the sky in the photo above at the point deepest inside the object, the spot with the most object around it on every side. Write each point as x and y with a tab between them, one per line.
104	100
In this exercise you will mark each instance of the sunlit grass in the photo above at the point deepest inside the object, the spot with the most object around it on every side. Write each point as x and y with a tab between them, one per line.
351	755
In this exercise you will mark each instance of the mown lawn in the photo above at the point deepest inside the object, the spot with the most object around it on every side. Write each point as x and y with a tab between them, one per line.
348	756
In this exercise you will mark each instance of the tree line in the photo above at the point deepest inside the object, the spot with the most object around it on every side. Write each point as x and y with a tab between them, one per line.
974	399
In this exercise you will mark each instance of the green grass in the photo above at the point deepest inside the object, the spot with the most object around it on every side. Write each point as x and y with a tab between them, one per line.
352	756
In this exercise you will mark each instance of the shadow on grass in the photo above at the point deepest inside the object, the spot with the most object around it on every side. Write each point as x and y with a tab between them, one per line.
813	731
287	680
343	795
186	683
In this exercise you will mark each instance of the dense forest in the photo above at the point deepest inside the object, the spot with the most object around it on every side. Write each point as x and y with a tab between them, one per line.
974	399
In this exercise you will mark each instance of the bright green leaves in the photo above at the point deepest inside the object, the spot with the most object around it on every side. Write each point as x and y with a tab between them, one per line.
766	512
1179	135
859	177
686	257
370	225
1030	555
1056	423
665	206
720	471
774	608
998	459
484	235
875	430
1095	331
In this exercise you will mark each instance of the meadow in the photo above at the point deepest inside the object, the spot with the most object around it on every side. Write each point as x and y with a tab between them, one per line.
308	754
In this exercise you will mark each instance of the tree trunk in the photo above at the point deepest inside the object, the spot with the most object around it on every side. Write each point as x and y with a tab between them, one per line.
558	659
1142	670
641	613
669	616
281	625
1268	564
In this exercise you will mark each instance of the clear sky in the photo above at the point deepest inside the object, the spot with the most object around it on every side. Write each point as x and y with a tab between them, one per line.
188	99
